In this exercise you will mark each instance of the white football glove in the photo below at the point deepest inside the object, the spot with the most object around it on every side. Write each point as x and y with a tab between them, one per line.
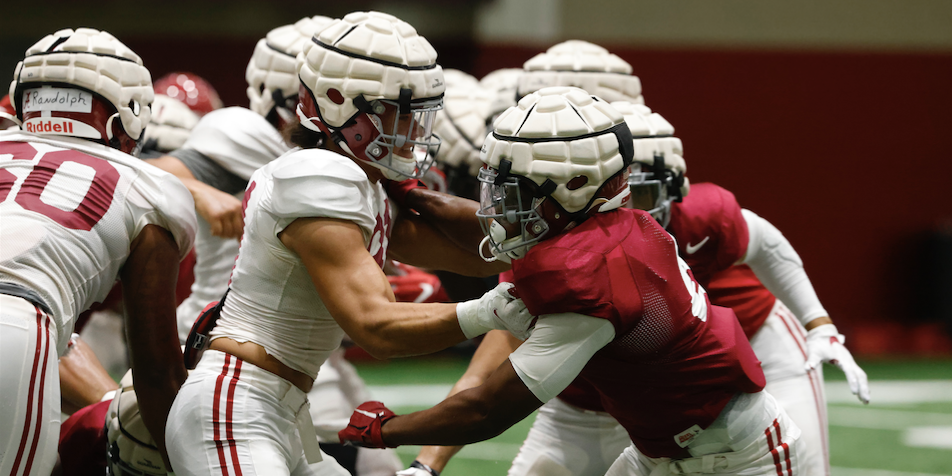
497	309
825	344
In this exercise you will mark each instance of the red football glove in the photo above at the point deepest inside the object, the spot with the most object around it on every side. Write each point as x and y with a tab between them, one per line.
398	191
366	426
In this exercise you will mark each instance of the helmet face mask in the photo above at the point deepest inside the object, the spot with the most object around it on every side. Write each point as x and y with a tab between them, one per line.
392	135
511	213
654	188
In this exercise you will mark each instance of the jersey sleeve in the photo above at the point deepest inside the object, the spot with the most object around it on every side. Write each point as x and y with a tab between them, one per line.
557	350
237	139
318	183
170	206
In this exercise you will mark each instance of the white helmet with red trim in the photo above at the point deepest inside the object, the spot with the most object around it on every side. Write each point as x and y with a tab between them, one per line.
130	449
658	169
78	83
557	157
172	122
272	73
371	84
583	65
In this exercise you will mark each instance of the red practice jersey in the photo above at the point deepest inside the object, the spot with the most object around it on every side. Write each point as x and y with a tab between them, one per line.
670	369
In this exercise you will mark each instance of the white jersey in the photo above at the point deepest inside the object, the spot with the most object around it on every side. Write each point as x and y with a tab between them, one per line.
240	141
237	139
69	213
273	301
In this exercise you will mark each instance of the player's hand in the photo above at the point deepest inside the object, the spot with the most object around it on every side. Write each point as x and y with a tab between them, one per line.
398	191
825	344
366	426
221	210
418	469
499	308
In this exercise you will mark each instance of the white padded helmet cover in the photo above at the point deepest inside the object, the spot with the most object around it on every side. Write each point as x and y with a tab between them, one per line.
376	55
94	60
456	78
125	428
559	113
504	82
462	124
653	134
273	64
583	65
172	122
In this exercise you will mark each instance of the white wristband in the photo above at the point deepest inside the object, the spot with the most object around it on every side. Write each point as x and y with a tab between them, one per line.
467	313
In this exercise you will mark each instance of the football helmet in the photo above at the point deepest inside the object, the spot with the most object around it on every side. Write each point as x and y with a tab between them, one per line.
657	170
557	157
78	83
8	114
169	127
191	89
504	82
130	449
371	84
583	65
462	128
272	73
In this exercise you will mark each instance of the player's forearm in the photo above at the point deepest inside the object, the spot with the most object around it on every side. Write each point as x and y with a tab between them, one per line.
458	420
454	216
394	329
492	352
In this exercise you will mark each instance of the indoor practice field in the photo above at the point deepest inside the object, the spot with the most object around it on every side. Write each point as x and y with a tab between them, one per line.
905	431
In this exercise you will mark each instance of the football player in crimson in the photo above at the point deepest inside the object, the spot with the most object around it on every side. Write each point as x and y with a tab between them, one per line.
318	228
617	309
713	234
78	212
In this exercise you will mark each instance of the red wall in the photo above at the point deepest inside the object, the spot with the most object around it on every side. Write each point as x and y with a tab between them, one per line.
849	154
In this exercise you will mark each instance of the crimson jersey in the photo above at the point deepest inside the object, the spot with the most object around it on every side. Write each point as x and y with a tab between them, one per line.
675	360
712	235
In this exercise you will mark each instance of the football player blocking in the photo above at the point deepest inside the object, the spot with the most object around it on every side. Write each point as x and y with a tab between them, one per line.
515	222
318	219
79	212
578	438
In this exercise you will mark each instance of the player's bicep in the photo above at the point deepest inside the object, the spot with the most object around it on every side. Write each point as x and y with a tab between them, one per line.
347	278
558	349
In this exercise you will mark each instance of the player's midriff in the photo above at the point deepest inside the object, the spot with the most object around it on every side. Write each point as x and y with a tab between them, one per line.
257	355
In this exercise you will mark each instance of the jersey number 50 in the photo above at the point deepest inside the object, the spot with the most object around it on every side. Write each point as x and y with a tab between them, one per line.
95	202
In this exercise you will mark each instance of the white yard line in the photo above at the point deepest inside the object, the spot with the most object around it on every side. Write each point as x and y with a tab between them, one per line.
840	471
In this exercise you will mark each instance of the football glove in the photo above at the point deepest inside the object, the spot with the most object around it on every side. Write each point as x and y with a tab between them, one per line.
366	426
418	469
825	344
499	308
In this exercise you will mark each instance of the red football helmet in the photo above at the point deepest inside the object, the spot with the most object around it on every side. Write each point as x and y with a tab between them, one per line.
190	88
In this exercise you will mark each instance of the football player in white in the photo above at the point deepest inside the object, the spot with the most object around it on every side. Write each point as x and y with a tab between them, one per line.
78	212
318	228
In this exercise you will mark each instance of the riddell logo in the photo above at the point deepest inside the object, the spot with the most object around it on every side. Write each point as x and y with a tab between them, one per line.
685	437
52	125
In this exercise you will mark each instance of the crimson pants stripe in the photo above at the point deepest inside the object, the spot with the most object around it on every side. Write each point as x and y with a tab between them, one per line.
29	398
39	405
785	446
790	330
229	409
773	450
215	416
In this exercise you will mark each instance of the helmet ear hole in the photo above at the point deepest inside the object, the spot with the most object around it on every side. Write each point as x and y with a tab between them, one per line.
577	182
335	96
134	106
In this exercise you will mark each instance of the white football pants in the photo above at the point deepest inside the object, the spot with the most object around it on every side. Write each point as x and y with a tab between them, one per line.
563	438
29	389
232	417
740	442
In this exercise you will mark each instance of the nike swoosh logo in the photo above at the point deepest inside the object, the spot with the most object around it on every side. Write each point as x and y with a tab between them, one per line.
691	249
366	413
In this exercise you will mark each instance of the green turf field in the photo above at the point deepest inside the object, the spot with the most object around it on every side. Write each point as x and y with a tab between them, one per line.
906	431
